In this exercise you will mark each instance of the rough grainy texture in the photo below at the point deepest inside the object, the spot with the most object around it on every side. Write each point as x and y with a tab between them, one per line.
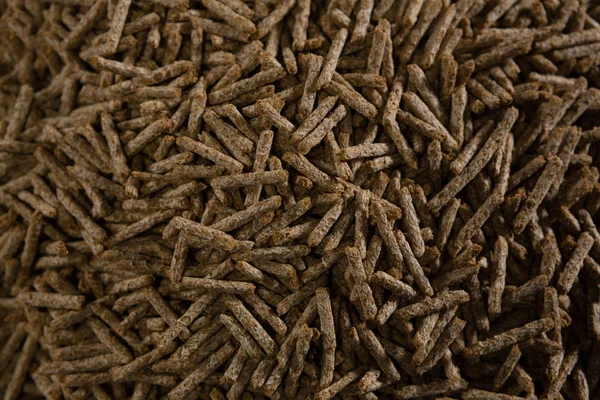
296	199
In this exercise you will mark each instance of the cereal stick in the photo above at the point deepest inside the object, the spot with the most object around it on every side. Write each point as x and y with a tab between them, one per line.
377	351
327	124
31	245
571	270
148	135
413	265
315	117
230	16
267	23
362	292
476	221
396	286
245	85
451	331
298	360
140	226
328	220
203	371
385	230
331	60
300	25
482	158
431	305
301	163
337	386
507	367
81	215
265	312
508	338
236	366
250	323
112	343
363	15
538	193
426	16
351	97
19	112
329	340
210	153
217	286
438	33
411	222
240	334
117	27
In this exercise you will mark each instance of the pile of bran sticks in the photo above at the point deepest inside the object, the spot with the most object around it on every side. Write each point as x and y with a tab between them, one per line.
295	199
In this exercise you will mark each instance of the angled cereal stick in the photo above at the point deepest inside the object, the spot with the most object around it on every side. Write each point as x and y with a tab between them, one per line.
331	60
482	158
571	270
